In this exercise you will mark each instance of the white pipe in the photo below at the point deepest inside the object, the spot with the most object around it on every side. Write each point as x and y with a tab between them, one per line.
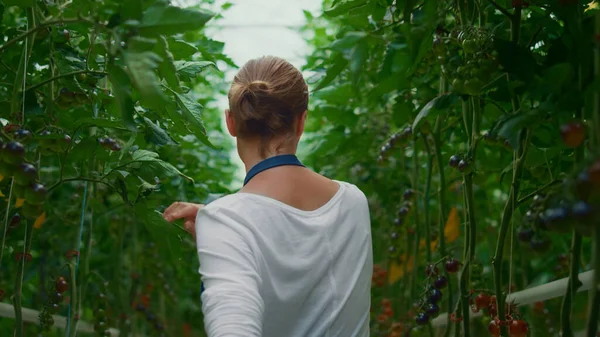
539	293
30	315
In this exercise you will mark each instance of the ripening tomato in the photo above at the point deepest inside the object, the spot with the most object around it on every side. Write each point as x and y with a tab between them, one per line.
573	134
494	329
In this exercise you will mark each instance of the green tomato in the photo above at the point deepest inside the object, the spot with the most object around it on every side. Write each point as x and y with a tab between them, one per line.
13	153
36	194
469	46
439	47
18	191
63	102
25	174
473	86
461	71
458	85
31	211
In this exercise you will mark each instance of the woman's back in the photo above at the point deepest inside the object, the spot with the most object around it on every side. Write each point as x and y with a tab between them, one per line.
290	255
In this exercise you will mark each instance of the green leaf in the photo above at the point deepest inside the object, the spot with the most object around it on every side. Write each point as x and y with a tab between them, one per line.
141	44
402	112
357	62
344	7
181	49
510	127
337	114
348	41
141	68
339	64
170	20
189	70
149	157
132	9
156	135
166	236
98	122
145	189
192	111
122	91
434	108
166	69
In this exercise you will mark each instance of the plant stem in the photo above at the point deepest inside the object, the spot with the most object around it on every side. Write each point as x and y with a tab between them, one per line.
572	286
18	292
575	253
465	116
519	160
6	218
55	185
513	195
442	208
74	300
20	77
596	115
464	298
426	199
538	191
594	309
471	209
70	74
500	8
417	235
462	13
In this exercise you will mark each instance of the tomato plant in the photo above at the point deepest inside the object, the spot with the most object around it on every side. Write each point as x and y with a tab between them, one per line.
501	101
108	114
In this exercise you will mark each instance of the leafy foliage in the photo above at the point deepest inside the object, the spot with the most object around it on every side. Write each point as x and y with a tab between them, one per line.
114	105
440	99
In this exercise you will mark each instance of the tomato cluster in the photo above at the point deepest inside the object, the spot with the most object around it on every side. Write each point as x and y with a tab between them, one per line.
386	312
25	177
467	58
464	165
397	138
151	318
403	212
379	276
517	327
109	144
101	319
565	208
52	305
428	307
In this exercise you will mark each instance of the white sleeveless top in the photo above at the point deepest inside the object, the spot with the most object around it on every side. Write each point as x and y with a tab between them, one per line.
272	270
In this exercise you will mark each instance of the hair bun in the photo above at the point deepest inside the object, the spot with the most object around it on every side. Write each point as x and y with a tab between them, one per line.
257	86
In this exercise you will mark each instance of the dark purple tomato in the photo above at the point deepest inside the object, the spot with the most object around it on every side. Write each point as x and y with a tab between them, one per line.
441	282
422	319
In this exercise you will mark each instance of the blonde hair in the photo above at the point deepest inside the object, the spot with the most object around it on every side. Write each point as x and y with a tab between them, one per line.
266	98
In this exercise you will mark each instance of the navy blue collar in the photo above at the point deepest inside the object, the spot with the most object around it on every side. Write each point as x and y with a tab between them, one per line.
280	160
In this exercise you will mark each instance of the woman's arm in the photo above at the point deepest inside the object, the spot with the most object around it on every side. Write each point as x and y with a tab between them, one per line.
231	302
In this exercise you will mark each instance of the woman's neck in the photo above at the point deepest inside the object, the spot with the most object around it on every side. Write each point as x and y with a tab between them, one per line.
250	155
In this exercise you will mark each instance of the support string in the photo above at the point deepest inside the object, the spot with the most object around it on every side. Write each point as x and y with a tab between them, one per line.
512	235
81	220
